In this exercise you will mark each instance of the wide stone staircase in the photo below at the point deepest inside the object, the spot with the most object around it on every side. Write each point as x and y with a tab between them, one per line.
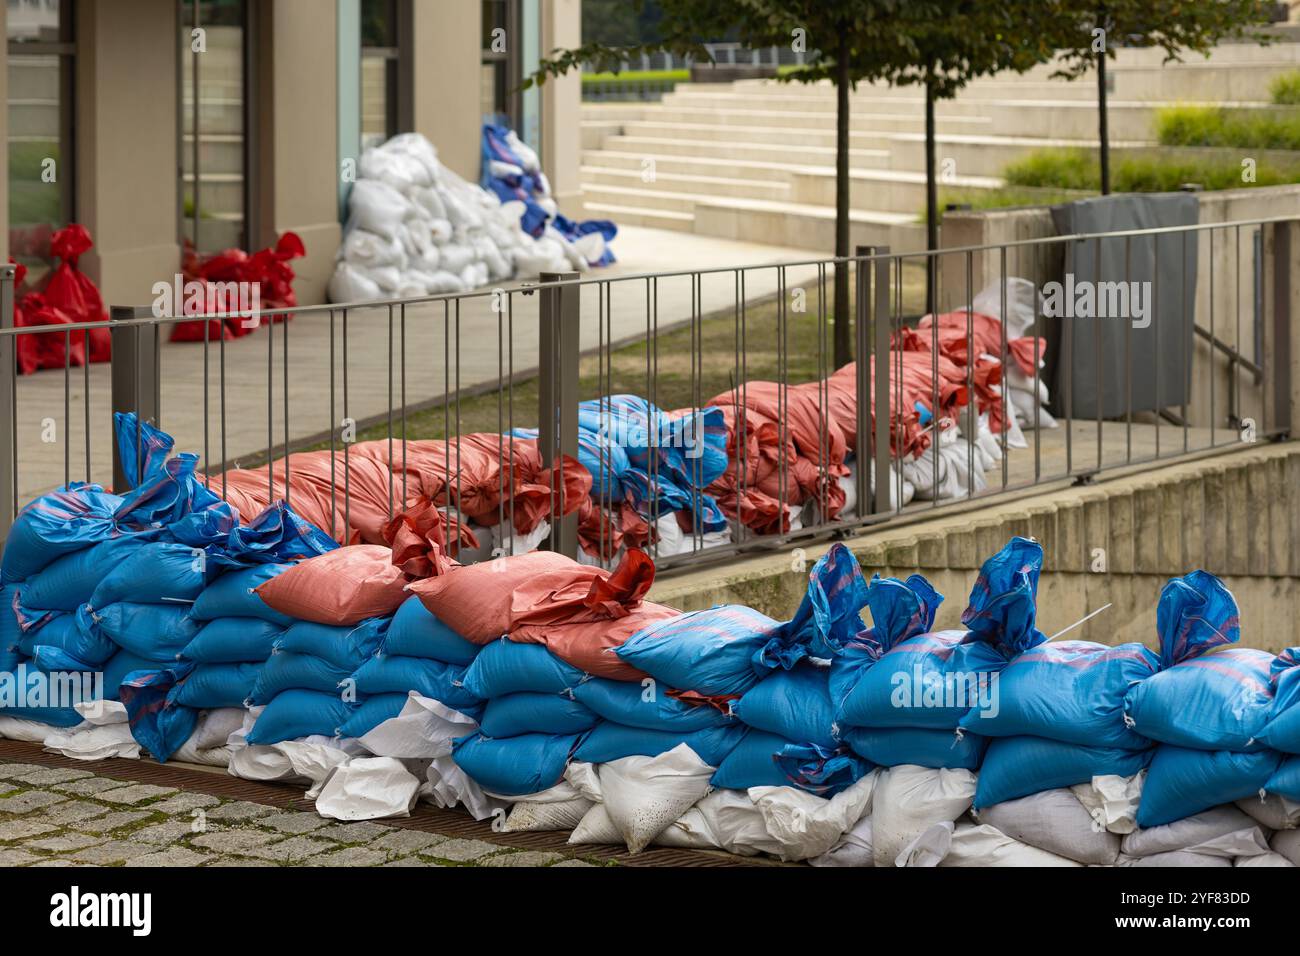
755	159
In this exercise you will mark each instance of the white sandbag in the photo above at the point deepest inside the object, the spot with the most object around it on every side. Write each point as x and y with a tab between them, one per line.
314	758
446	785
1024	304
1246	842
429	200
101	713
1187	832
851	849
423	729
89	741
1055	821
368	788
528	816
365	248
596	828
726	819
206	757
394	168
348	283
1173	858
909	799
1287	842
1272	810
1112	801
970	845
805	825
214	727
1263	859
28	731
377	207
256	761
644	795
507	541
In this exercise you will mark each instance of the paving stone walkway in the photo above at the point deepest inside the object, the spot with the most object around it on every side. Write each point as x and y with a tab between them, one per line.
64	817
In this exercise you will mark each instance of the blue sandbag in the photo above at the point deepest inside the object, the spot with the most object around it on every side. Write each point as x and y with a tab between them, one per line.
1207	695
233	640
711	652
1282	732
74	633
389	674
610	741
118	667
158	723
830	613
1016	767
1218	701
794	704
217	685
936	749
648	706
169	495
1182	781
1071	691
526	713
372	712
10	632
288	671
415	632
513	766
53	660
70	518
934	680
752	763
899	610
343	646
233	595
67	583
504	667
300	713
154	573
157	632
277	535
1285	781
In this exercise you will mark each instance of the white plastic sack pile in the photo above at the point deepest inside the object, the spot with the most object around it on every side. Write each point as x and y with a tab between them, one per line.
911	799
1024	305
416	228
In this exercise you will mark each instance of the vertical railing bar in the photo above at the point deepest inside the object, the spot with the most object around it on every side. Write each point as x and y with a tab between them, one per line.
1096	332
1128	358
972	410
1213	356
270	413
1155	318
882	327
334	424
284	384
207	450
1007	414
1185	336
347	449
67	405
85	398
402	320
390	422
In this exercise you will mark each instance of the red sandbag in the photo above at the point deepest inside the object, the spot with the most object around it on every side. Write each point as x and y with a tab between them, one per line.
423	540
71	290
340	587
590	645
268	268
475	600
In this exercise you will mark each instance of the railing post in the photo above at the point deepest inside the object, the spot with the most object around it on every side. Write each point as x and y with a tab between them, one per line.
136	376
8	403
862	352
1277	356
881	324
557	393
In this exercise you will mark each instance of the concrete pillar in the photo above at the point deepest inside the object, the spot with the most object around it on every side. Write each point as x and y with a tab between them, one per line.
296	171
447	72
562	106
127	144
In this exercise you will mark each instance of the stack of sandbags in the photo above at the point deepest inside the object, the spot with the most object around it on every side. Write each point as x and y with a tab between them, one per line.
1207	707
416	228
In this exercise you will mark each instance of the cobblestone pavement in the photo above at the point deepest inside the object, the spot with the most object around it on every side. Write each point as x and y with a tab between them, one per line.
59	817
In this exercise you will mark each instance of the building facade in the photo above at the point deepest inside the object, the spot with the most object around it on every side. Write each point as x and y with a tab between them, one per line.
163	125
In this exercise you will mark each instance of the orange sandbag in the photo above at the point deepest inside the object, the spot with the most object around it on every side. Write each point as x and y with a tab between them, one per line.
344	586
424	539
590	645
474	600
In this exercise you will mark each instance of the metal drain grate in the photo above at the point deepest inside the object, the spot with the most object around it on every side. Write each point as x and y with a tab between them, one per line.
455	823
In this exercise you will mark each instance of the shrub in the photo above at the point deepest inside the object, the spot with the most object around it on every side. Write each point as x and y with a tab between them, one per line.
1235	128
1285	89
1140	171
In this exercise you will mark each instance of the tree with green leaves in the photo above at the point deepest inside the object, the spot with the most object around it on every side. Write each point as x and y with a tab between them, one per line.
1086	34
941	44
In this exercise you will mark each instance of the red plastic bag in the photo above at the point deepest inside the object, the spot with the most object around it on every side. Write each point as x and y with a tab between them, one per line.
269	268
52	349
72	292
339	587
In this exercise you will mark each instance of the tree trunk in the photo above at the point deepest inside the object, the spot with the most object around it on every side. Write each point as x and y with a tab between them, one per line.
1103	133
931	204
843	314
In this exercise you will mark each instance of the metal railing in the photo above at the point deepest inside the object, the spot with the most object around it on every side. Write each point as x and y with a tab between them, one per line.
491	403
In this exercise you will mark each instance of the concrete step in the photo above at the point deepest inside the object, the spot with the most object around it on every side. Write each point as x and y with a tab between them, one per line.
641	216
888	190
760	170
804	226
795	121
654	178
790	153
861	137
